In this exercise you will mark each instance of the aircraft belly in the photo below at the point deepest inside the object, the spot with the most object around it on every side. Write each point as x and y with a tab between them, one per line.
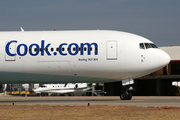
60	71
14	77
63	71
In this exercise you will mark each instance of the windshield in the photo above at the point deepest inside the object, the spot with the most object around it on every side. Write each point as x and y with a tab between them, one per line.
147	45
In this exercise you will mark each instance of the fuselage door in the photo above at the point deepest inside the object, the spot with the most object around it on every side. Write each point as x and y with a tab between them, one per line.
12	50
111	50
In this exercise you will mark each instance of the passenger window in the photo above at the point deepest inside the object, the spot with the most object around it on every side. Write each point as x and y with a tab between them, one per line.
141	45
84	48
147	45
52	49
68	49
153	45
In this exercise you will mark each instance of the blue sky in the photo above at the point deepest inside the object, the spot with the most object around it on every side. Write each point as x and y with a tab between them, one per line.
157	20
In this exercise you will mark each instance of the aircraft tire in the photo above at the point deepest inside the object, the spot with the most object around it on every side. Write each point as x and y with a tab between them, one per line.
129	96
124	96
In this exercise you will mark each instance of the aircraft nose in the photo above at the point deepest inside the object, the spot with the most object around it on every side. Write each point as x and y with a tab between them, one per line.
164	58
35	90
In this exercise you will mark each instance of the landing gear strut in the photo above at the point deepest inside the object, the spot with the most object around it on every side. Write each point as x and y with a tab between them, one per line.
126	93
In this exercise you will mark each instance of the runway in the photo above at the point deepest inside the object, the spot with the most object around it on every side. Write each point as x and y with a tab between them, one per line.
144	101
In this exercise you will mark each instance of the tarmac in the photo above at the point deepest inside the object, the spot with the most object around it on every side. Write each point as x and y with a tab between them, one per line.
144	101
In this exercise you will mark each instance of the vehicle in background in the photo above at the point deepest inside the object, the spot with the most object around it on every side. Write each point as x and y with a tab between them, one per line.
62	89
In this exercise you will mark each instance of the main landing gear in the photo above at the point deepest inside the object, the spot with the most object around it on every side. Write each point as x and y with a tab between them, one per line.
126	93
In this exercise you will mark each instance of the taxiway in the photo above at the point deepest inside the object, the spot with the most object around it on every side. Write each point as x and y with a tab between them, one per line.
144	101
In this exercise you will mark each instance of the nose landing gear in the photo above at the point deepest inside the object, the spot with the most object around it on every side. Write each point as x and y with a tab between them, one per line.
126	96
126	93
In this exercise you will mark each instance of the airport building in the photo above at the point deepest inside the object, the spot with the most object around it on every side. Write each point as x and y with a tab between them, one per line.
158	83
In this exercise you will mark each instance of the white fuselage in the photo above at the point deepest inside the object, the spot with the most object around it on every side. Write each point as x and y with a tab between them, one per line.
75	56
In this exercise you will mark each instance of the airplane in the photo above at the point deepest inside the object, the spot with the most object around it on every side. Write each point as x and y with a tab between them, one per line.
63	88
78	56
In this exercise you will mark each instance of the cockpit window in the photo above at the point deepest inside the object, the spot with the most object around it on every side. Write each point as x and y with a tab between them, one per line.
43	86
141	45
153	45
147	45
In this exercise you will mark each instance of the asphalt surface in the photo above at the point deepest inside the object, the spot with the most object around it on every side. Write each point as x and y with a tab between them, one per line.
144	101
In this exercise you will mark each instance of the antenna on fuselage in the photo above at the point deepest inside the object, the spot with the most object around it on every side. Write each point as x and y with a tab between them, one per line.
22	30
